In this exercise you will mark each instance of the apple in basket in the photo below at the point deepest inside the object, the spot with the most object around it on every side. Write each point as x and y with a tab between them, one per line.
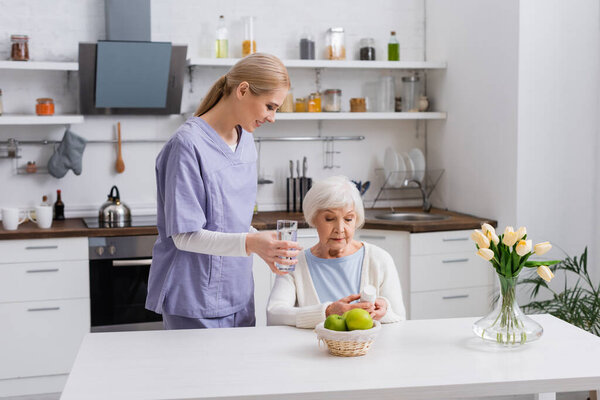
351	320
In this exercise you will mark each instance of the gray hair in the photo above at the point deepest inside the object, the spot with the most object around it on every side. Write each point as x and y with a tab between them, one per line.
330	193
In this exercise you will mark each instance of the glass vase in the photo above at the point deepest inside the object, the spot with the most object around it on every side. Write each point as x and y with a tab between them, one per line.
506	325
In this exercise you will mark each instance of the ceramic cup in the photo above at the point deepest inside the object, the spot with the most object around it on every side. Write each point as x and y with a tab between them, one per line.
43	216
11	218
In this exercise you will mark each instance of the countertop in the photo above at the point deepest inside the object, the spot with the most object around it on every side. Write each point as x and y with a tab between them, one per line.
436	358
75	227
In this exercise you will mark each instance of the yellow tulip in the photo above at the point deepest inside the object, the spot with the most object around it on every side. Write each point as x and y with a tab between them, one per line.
486	254
480	239
522	231
545	273
510	236
486	228
523	247
542	248
491	235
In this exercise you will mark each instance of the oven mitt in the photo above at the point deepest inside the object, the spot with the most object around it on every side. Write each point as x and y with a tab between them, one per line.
67	156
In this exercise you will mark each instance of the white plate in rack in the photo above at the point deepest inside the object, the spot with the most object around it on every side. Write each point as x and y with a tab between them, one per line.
393	167
410	166
418	159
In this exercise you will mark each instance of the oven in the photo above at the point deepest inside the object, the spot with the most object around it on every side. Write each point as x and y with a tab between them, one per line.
119	268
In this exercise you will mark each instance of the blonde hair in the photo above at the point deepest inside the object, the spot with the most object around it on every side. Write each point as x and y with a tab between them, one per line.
333	192
263	72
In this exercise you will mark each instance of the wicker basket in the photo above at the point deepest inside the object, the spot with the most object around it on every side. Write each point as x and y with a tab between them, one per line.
350	343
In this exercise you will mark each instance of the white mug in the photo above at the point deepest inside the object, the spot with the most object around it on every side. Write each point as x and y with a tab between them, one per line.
43	216
10	218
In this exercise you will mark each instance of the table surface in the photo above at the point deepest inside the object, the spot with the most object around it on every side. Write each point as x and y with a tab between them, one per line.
411	359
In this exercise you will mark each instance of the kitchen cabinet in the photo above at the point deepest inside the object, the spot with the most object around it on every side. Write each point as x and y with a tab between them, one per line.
45	312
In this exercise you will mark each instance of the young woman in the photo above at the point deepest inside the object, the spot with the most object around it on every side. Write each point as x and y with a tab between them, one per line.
201	273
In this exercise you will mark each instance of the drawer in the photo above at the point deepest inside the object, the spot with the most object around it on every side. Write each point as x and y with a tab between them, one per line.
41	338
471	302
441	242
14	251
44	281
449	271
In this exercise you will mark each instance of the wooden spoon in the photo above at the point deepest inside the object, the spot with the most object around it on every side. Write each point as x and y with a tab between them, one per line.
120	165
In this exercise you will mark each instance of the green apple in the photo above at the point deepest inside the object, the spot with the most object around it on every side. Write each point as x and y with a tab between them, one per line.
358	318
335	322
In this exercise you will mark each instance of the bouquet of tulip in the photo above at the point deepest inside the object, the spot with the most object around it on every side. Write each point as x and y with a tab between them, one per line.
509	253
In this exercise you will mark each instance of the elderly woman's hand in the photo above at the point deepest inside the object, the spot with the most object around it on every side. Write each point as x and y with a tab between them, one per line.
342	305
380	309
267	247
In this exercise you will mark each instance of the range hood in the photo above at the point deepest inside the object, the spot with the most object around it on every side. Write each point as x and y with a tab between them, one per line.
128	73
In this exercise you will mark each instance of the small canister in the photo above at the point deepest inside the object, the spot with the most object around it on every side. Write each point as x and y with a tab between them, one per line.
44	106
367	49
307	47
410	93
314	102
19	50
358	104
336	48
300	104
333	100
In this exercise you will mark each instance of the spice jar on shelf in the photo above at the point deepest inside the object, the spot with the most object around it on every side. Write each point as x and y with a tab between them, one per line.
19	50
44	106
314	102
358	104
332	100
300	104
367	49
307	47
249	43
31	168
336	49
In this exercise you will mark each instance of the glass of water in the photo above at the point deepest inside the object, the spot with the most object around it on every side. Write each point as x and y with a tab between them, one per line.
287	230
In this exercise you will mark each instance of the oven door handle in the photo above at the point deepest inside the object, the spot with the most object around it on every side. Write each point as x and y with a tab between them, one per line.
132	263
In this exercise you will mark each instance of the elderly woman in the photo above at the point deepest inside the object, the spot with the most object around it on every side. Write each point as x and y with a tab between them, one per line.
329	276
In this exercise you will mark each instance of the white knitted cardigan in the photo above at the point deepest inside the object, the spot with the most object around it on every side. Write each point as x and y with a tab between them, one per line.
294	299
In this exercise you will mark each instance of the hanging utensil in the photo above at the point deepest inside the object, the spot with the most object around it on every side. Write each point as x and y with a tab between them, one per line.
120	164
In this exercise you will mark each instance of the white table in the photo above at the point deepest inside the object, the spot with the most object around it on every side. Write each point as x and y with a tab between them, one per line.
412	359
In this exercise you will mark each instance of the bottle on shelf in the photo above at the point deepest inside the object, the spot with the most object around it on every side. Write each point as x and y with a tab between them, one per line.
393	48
249	43
222	44
59	208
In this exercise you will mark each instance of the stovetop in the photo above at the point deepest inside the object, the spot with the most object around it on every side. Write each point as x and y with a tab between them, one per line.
136	221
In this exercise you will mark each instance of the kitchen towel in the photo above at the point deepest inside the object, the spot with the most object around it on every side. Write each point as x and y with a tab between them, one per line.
67	156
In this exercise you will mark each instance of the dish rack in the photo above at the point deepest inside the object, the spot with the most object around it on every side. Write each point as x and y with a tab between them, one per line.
406	188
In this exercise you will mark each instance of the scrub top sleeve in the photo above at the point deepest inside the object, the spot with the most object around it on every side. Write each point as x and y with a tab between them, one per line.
184	192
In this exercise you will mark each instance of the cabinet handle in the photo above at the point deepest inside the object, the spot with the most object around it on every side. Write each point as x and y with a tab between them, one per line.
372	237
41	247
44	309
33	271
456	260
132	263
460	296
454	239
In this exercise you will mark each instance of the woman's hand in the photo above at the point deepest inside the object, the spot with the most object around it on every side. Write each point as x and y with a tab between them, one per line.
380	309
267	247
342	305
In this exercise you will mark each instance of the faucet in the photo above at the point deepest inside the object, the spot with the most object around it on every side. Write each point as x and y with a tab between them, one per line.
426	203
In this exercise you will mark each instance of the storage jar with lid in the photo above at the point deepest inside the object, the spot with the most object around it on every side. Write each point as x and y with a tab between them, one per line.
249	43
307	47
44	106
19	50
411	90
300	104
358	104
367	49
333	100
336	48
314	102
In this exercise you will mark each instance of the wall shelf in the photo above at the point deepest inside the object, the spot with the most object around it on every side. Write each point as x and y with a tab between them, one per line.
324	116
343	64
41	65
16	119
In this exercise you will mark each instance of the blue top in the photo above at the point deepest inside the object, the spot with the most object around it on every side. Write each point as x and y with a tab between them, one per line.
202	184
335	278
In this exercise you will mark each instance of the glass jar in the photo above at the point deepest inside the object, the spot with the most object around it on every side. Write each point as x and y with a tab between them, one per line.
410	93
19	50
332	100
307	47
44	106
367	49
314	102
300	104
358	104
249	43
336	49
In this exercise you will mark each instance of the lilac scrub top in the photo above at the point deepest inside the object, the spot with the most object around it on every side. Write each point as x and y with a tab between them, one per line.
202	184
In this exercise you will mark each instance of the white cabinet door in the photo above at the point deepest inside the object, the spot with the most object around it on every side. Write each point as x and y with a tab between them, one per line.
30	250
41	338
453	303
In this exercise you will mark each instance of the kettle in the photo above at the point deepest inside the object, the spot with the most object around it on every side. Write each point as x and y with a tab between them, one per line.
113	213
